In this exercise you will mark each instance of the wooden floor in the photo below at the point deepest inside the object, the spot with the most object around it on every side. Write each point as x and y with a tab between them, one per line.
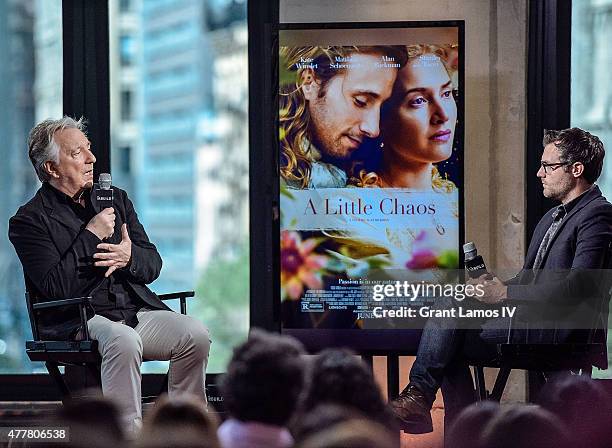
432	440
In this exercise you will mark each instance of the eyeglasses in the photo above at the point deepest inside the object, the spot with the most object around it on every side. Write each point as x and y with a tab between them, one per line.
550	167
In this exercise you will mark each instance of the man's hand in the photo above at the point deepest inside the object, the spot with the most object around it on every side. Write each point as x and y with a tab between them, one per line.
103	224
494	290
117	256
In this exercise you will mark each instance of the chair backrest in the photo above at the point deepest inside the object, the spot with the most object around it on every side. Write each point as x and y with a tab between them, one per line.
32	316
600	320
30	300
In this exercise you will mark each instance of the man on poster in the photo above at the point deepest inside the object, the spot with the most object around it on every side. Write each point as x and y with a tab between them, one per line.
70	247
332	107
569	244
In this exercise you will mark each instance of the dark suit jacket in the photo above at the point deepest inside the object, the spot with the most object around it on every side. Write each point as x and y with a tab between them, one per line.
56	256
570	282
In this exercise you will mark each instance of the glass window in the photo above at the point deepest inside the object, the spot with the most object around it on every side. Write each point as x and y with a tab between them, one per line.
124	162
127	50
31	39
126	105
124	5
591	97
188	139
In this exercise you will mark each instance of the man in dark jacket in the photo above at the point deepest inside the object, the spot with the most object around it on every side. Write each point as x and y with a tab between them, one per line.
70	247
560	287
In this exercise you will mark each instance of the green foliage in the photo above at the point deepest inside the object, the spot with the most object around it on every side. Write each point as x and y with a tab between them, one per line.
222	303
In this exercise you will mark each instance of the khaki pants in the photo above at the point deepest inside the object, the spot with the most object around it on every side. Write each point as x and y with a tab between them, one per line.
160	335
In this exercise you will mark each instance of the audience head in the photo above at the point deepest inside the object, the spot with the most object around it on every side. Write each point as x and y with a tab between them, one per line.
337	376
469	424
581	404
524	426
354	433
93	422
264	379
323	417
181	421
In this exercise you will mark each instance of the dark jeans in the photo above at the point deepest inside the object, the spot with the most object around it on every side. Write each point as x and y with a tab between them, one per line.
442	362
443	355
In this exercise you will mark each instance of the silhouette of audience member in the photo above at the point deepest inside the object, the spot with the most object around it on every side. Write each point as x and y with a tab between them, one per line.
92	422
181	422
469	424
261	388
583	407
523	426
337	376
352	434
322	417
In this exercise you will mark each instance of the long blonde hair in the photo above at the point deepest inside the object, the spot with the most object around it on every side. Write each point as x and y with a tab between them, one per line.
294	118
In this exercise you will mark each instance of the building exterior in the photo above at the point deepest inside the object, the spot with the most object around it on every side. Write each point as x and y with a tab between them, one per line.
176	83
126	92
222	189
591	103
30	90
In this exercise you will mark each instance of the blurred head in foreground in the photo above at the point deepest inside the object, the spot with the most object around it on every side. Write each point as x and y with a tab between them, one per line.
339	377
179	422
582	405
352	434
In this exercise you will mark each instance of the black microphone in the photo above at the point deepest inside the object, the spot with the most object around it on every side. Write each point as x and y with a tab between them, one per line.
474	264
104	192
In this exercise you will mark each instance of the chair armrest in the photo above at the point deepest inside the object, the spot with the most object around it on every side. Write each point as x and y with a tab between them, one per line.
182	295
82	302
176	295
63	302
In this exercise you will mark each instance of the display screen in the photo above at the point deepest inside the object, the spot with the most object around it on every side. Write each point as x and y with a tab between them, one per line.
371	173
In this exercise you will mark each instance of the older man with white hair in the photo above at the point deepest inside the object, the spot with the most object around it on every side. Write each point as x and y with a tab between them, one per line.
70	247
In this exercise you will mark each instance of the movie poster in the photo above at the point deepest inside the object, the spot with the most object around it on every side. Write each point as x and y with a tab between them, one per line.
370	147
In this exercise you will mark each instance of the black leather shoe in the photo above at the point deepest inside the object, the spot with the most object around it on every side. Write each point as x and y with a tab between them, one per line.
412	410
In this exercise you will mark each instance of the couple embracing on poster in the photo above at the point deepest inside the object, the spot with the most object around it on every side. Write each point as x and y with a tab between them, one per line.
382	117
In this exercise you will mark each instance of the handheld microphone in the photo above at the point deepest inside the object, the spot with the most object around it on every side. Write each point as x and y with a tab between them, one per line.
474	264
104	192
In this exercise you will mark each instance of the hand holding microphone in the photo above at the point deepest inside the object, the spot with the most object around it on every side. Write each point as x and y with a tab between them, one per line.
103	224
111	256
474	264
494	290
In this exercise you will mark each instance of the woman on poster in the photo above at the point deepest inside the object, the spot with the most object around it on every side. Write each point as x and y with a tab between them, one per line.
417	125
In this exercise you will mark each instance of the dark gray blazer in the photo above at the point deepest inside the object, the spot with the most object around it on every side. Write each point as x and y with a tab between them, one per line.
57	256
580	243
569	283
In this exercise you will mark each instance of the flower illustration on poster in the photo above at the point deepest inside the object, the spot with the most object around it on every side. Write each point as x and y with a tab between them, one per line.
301	265
426	254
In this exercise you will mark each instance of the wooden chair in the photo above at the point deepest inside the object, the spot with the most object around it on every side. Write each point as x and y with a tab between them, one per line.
83	353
